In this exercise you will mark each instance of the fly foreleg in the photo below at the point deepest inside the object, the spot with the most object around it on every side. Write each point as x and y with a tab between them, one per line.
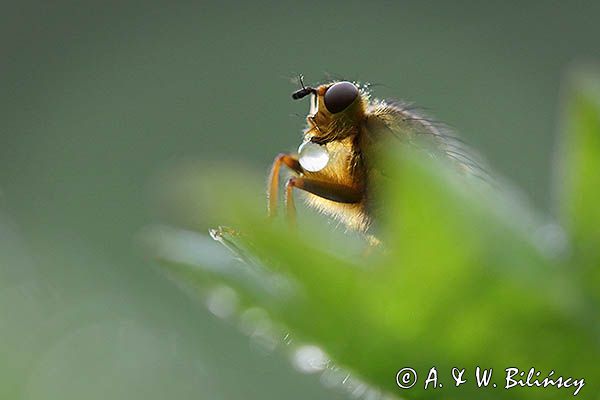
289	160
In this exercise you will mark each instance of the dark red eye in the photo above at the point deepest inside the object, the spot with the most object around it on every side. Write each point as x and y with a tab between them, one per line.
339	96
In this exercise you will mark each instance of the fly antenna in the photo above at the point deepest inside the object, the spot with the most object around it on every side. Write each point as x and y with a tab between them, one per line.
304	90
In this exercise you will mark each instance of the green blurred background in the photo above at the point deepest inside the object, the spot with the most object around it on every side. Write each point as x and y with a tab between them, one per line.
97	98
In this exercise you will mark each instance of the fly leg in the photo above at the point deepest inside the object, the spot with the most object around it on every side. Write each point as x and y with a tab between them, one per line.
291	161
327	190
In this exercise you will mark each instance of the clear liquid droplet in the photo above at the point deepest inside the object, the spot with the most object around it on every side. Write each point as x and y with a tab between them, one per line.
313	157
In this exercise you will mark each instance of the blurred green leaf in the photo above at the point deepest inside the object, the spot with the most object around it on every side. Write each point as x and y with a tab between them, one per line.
579	176
471	276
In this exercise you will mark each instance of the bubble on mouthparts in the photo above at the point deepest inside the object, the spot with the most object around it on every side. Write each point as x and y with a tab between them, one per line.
313	157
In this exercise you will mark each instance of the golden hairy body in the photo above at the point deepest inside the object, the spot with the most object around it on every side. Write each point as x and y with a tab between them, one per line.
342	169
350	126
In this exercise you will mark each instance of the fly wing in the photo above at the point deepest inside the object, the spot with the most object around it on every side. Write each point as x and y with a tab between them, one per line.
409	125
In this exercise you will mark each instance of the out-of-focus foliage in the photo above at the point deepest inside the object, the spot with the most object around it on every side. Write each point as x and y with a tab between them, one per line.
470	275
99	97
578	180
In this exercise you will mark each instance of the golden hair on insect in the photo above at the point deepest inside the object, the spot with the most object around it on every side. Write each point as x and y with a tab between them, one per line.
335	163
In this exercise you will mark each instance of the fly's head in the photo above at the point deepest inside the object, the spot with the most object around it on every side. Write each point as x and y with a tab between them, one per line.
336	110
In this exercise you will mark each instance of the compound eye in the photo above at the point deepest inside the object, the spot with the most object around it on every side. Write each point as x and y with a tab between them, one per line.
339	96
